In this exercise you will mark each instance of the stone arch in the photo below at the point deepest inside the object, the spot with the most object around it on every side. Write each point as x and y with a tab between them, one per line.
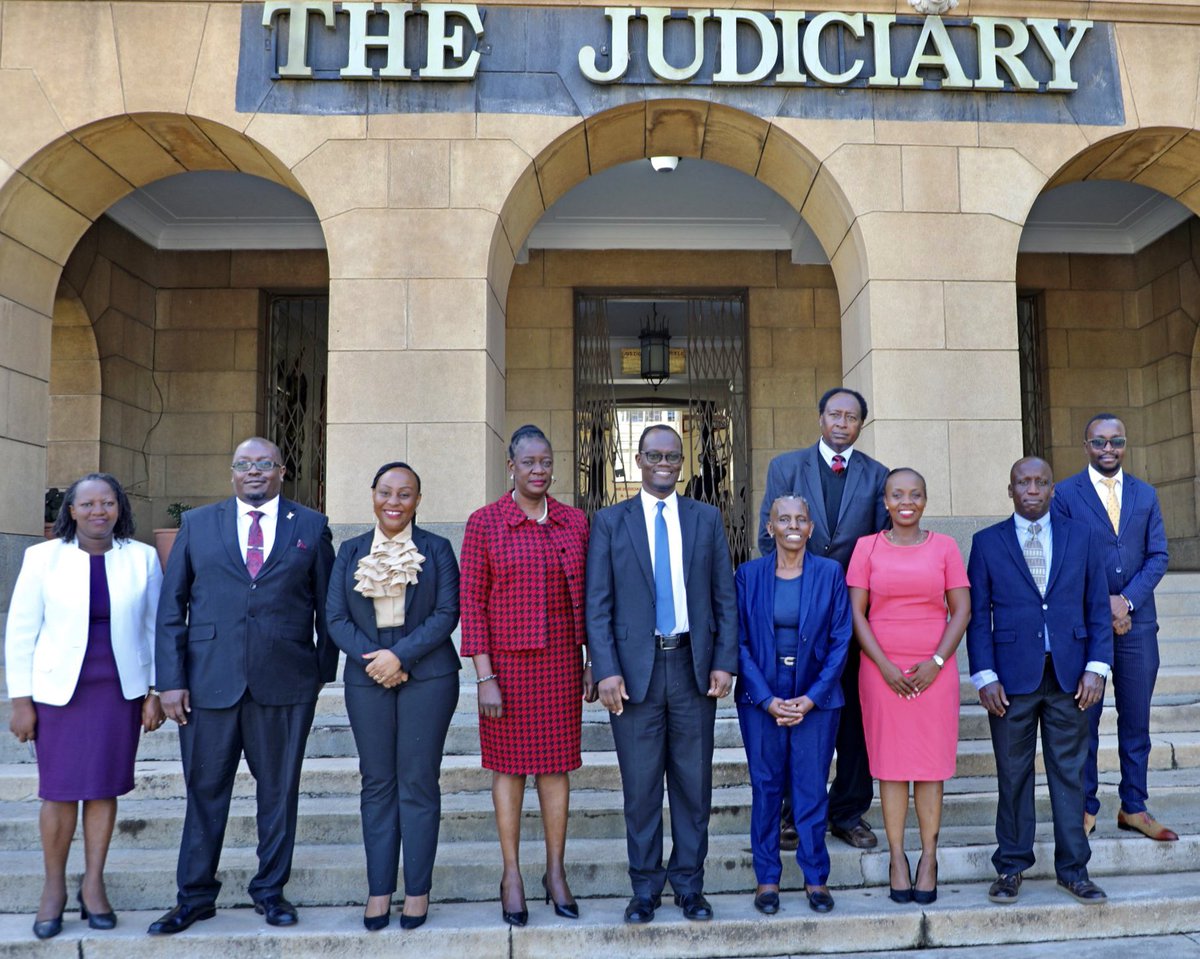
46	205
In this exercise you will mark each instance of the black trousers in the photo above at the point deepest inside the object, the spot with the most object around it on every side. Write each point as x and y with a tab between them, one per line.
851	792
1064	748
669	733
401	734
212	743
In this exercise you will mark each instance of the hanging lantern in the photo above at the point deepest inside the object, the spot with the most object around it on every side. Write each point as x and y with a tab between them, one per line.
656	349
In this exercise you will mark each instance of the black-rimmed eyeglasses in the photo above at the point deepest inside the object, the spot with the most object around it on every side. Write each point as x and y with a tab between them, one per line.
245	466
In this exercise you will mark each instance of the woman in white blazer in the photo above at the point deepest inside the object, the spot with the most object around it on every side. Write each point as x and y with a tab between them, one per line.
79	660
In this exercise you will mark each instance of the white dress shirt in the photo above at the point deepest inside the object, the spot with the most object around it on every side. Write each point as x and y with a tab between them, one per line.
266	522
1101	489
675	544
1045	536
828	452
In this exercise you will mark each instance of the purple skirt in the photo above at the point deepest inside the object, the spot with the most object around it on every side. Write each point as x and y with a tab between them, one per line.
86	749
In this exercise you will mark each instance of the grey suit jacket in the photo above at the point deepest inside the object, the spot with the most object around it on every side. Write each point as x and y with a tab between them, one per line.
862	512
620	595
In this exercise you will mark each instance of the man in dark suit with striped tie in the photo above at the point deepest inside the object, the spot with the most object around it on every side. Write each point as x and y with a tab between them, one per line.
1127	526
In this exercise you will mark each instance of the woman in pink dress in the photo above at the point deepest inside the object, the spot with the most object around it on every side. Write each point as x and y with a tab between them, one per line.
902	582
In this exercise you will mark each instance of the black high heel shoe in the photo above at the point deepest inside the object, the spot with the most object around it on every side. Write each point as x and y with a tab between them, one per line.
900	895
47	928
925	897
568	910
375	923
512	918
96	920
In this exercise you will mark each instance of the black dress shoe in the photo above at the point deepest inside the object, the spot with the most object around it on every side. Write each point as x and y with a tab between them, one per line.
375	923
96	920
819	900
640	909
925	897
279	911
47	928
859	835
413	922
1006	888
767	903
518	918
694	906
789	839
1083	890
567	910
180	918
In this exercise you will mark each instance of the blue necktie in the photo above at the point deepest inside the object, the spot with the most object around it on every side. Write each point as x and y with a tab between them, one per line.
664	596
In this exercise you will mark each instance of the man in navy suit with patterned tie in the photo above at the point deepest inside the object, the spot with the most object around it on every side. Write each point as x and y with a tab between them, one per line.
662	635
1127	526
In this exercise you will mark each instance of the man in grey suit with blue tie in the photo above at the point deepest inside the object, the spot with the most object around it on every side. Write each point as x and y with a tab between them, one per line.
1127	526
662	635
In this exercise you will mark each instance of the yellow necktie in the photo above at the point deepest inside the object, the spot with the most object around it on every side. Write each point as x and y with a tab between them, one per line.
1111	504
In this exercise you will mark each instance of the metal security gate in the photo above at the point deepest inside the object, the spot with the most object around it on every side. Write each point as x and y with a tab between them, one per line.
295	383
1035	400
704	399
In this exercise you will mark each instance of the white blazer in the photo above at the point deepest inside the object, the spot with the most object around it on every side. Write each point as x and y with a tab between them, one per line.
48	619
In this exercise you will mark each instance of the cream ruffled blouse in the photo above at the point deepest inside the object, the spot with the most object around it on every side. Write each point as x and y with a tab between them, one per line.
385	574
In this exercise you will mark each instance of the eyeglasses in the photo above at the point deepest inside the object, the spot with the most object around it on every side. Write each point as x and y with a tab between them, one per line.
1117	443
654	457
245	466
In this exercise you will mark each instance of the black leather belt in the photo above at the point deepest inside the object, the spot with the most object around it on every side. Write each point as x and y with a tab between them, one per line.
678	641
786	660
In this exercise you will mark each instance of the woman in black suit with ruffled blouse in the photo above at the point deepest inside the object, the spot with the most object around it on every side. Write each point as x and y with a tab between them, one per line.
393	603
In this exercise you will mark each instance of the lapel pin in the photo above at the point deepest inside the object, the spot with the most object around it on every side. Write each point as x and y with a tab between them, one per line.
290	515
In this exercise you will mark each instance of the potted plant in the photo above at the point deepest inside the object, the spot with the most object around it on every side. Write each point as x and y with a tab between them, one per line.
164	539
54	501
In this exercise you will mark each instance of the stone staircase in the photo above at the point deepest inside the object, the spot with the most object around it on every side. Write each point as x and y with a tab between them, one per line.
1153	888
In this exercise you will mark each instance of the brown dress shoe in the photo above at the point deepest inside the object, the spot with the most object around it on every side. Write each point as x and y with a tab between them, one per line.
1145	824
1084	891
1089	823
859	835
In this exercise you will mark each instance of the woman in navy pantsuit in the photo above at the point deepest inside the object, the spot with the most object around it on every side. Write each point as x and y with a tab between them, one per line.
794	629
393	603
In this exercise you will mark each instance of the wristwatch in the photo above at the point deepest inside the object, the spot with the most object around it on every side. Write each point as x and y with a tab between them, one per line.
938	659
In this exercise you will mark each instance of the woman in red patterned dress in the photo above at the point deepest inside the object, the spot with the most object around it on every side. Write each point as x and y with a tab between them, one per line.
522	623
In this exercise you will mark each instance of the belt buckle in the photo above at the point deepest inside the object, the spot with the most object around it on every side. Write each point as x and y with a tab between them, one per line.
788	660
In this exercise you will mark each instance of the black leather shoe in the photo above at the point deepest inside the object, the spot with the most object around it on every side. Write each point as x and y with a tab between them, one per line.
640	909
47	928
180	918
518	918
96	920
279	911
567	910
859	835
1083	890
767	903
375	923
413	922
1006	888
694	906
819	900
789	839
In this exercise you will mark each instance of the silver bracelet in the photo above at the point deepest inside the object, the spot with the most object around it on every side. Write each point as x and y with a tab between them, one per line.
485	679
588	664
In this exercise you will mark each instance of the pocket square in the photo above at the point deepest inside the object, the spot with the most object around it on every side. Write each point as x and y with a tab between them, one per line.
300	544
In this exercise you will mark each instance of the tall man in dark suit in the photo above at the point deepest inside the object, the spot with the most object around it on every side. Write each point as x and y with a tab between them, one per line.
1127	526
662	635
844	489
1040	646
242	650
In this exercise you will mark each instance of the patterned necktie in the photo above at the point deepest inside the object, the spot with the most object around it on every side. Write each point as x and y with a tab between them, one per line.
664	595
1111	504
839	464
1035	557
254	545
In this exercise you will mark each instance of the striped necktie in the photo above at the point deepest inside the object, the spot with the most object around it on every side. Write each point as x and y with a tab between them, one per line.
1035	558
254	545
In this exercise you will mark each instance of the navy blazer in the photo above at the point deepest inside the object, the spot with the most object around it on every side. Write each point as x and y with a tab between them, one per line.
220	633
430	611
826	627
1008	614
1135	559
862	511
620	594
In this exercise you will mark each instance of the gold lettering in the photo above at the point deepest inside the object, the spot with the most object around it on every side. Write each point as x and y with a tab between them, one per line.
619	62
992	56
441	43
1047	37
297	14
881	30
768	46
943	58
360	41
789	22
656	18
812	46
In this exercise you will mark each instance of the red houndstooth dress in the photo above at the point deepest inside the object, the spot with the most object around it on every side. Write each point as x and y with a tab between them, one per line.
522	601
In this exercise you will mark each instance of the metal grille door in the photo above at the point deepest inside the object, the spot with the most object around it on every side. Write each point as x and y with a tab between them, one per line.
599	457
298	350
1035	406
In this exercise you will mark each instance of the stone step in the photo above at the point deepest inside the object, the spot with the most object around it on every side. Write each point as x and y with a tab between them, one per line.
1180	946
328	875
595	814
1178	582
332	776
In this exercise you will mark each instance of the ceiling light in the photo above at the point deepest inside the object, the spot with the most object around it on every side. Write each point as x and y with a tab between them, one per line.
664	164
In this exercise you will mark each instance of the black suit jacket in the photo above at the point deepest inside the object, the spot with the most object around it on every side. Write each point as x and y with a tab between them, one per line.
862	511
220	633
430	611
620	594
